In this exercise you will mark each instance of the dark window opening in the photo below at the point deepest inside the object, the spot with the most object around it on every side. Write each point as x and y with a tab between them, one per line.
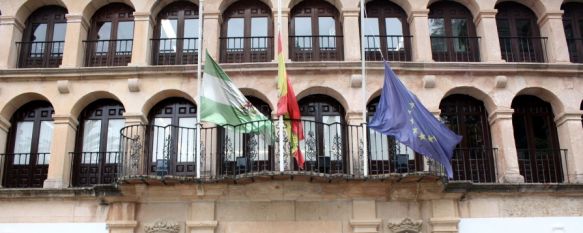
520	39
176	35
386	32
573	25
43	40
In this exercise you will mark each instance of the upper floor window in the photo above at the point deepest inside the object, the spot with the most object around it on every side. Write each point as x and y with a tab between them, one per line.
386	32
520	39
29	145
43	40
111	36
247	33
453	36
537	143
97	151
316	33
176	35
573	25
473	158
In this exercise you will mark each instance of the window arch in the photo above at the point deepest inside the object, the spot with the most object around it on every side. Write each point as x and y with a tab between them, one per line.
172	137
43	39
97	150
473	157
387	32
176	35
247	33
452	31
387	155
111	36
316	32
537	143
324	144
573	25
519	34
29	145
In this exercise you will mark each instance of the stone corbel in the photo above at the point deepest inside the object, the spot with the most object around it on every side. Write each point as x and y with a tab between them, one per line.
134	84
429	81
356	81
63	86
501	81
405	226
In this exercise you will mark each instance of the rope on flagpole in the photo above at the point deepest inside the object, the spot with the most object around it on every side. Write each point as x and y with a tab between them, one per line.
199	82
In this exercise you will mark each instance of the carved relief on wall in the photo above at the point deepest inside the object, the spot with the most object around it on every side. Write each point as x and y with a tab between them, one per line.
162	226
405	226
541	207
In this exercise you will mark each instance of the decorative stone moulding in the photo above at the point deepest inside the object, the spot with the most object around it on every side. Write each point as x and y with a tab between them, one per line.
134	84
405	226
501	81
356	81
429	81
162	227
63	86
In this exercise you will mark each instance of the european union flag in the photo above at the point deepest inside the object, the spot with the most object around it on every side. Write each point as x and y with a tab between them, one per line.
401	114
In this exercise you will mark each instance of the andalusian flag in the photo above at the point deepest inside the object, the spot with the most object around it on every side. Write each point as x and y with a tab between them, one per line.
287	106
222	103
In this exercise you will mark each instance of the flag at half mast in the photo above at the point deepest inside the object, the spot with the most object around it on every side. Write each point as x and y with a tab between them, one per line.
287	106
222	103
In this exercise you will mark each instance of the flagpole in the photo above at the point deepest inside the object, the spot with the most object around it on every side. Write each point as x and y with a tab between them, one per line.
199	82
280	120
363	73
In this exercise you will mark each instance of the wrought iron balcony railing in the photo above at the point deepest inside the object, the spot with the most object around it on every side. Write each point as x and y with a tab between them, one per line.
455	48
542	165
174	51
316	48
24	170
477	165
108	52
246	49
391	48
524	49
575	49
40	54
91	168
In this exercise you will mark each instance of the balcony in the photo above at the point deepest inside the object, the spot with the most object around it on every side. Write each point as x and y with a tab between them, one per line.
390	48
91	168
575	49
542	165
43	54
524	49
246	49
474	164
316	48
108	52
24	170
175	51
455	48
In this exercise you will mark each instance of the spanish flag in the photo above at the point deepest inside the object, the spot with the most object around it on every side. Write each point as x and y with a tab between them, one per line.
287	106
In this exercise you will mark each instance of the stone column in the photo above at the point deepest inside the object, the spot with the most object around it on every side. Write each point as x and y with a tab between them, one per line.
503	138
445	217
141	49
4	128
364	217
487	30
64	131
284	33
202	217
421	44
571	137
11	31
551	26
351	39
211	33
77	27
121	218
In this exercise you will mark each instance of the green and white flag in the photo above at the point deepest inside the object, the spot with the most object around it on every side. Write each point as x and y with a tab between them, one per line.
223	104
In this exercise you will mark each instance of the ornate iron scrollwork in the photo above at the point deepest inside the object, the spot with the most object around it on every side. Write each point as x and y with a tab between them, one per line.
228	150
253	147
336	149
310	141
135	154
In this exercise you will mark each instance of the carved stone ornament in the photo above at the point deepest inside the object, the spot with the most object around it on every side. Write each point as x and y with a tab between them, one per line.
162	227
406	226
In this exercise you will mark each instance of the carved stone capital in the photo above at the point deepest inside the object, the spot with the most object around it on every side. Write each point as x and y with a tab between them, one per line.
405	226
162	226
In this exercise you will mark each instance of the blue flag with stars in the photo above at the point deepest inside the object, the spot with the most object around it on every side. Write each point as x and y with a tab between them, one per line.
401	115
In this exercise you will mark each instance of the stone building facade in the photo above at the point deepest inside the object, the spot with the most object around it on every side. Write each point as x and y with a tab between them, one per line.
98	101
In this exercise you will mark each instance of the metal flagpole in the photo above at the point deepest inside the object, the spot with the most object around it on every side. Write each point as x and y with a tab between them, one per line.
280	120
199	82
363	73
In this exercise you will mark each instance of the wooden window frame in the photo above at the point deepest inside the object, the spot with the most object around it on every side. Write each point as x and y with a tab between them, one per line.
179	11
49	15
114	13
572	15
381	10
511	12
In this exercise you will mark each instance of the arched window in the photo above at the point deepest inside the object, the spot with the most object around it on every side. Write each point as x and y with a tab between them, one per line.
247	152
387	155
29	146
519	34
537	144
316	33
97	154
43	40
111	36
172	137
473	157
573	25
176	35
387	32
324	146
247	33
452	31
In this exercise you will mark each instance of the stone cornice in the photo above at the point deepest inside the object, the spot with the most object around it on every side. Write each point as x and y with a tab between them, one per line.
416	14
135	118
9	20
564	117
499	114
4	124
485	14
65	119
557	15
143	16
74	18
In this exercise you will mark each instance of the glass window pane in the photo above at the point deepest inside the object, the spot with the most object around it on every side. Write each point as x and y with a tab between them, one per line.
186	139
45	140
103	34
437	29
168	29
332	137
459	28
235	27
59	38
379	145
394	30
371	33
327	33
23	142
309	145
303	32
39	32
113	140
161	139
259	29
523	28
191	32
91	141
125	33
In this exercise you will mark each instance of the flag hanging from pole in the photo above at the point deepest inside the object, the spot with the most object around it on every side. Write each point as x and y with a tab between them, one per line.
287	106
401	114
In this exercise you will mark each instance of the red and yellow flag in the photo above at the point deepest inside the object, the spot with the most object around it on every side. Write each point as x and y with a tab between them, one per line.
287	106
